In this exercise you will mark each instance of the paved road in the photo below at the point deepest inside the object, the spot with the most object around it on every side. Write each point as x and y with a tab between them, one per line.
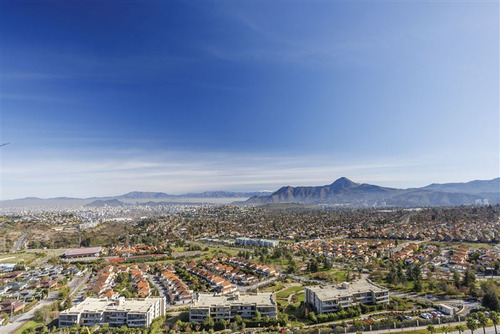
19	320
20	242
310	280
257	285
489	330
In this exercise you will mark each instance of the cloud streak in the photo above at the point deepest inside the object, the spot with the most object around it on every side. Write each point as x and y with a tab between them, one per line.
181	172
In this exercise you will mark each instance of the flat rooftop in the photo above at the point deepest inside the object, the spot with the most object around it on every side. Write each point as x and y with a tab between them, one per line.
345	289
262	299
94	305
82	251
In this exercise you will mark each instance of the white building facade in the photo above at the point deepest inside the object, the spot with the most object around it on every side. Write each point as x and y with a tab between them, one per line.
330	298
115	313
227	307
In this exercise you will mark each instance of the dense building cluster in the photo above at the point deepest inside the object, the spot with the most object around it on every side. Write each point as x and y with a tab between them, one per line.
107	282
335	249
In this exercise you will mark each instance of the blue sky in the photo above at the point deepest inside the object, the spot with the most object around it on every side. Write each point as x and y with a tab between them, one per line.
100	98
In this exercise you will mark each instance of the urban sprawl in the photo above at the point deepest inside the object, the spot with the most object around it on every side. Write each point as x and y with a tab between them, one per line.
224	268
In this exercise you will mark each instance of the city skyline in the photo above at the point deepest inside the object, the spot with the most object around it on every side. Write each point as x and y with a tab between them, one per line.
102	98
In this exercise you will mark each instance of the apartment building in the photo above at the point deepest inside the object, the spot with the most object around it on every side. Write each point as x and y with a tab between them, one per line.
257	242
227	307
115	313
327	299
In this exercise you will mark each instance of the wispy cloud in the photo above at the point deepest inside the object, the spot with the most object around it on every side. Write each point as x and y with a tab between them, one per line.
181	172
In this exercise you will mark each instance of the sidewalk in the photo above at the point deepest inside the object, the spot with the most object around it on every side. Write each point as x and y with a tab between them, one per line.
489	330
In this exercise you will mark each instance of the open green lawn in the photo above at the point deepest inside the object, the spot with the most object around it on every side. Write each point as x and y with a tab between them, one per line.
282	303
300	297
275	287
472	245
29	325
214	250
331	275
288	292
17	257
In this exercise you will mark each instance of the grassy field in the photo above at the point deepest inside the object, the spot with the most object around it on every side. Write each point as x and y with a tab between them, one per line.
472	245
275	287
288	292
282	303
17	257
301	297
213	251
29	325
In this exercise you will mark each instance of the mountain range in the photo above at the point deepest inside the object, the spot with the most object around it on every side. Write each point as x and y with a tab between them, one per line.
345	192
342	192
134	197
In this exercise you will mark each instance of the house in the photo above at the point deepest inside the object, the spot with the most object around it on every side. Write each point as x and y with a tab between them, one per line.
11	306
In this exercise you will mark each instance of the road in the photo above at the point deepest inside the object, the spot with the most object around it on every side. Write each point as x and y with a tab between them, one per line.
20	242
257	285
489	330
310	280
19	320
163	292
76	284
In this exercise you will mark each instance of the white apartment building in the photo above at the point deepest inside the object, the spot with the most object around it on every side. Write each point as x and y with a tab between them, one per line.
327	299
116	313
257	242
227	307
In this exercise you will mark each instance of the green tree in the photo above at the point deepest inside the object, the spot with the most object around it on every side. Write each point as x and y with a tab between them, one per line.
292	267
461	328
446	329
417	286
490	299
472	324
258	316
469	278
313	266
42	315
482	319
220	324
327	264
495	319
209	322
312	317
234	327
456	278
431	329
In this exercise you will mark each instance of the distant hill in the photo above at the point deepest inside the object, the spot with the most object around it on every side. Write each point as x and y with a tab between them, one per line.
143	195
472	187
226	194
206	194
102	203
134	197
348	193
